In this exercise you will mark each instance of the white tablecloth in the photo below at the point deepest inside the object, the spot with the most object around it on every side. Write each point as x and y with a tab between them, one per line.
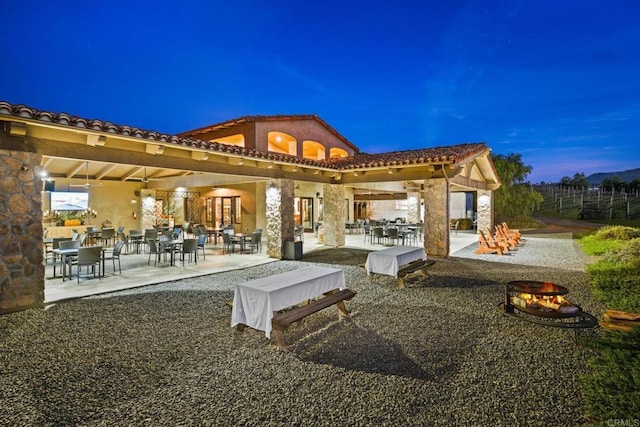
255	301
388	261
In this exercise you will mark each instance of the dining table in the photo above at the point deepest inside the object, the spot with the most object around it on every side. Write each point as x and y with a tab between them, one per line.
215	232
255	301
171	247
136	238
242	238
65	254
388	261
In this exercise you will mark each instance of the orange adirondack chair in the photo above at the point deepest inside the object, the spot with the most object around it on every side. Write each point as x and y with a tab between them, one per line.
487	246
502	236
513	232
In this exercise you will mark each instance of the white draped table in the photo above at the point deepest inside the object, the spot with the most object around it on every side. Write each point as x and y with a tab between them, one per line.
255	301
388	261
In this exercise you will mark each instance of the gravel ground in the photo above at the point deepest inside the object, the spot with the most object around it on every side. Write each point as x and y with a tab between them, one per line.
436	353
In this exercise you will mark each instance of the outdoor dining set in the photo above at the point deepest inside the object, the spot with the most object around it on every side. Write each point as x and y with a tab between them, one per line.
91	249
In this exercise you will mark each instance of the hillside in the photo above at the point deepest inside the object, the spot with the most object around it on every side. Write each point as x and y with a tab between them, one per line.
626	176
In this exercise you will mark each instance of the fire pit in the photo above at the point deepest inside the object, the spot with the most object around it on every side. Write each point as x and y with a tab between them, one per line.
544	303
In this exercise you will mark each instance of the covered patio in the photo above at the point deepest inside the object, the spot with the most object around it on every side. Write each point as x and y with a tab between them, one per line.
136	272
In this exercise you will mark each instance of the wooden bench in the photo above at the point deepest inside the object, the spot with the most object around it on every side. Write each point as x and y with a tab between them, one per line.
412	267
281	321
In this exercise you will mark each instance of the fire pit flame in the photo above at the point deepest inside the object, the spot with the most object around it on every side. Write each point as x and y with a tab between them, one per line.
544	303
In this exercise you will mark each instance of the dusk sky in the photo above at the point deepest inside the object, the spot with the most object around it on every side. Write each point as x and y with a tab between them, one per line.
555	81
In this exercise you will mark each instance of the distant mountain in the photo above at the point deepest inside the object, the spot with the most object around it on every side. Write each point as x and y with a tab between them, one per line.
626	176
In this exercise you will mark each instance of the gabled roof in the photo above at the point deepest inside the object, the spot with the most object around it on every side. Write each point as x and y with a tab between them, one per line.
273	118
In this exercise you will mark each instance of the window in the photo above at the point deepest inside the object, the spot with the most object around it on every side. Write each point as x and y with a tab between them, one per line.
228	210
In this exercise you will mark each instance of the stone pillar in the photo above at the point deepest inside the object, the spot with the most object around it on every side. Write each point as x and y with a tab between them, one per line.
21	249
485	210
436	217
335	214
413	208
279	213
148	208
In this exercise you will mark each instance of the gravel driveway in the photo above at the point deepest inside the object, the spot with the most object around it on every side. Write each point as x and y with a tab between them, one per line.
436	353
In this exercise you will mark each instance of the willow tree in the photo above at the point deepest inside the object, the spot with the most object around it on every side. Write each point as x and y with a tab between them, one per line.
515	197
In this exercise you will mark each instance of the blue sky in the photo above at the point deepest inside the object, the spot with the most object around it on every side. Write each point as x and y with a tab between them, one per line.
555	81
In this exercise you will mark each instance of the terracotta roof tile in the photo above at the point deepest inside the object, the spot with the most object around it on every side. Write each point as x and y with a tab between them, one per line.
454	153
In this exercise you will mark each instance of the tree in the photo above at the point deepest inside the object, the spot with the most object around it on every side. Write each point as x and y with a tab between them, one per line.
579	180
514	197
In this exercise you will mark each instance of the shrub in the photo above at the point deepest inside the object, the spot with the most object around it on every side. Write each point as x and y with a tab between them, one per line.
618	232
628	253
593	245
616	285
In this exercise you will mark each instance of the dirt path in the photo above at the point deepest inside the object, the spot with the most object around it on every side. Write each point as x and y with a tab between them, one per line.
562	225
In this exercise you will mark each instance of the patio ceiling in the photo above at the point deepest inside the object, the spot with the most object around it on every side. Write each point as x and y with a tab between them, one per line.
68	172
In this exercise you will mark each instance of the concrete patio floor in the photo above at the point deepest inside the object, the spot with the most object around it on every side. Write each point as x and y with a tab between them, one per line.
136	272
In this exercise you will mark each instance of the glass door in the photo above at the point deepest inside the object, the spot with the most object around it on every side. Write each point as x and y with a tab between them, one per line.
306	211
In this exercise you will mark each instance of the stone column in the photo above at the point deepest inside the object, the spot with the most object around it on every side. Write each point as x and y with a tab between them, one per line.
334	214
485	210
21	249
279	213
413	205
436	217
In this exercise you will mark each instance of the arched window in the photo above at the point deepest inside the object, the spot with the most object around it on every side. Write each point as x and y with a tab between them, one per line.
337	153
313	150
280	142
237	140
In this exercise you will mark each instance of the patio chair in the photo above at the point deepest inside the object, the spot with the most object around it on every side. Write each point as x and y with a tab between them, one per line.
453	226
115	255
228	243
202	241
503	237
153	250
108	235
367	232
89	257
190	247
392	235
124	238
378	233
486	246
253	243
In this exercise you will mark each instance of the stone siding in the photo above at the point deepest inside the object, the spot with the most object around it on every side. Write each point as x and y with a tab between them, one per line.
335	214
485	210
279	212
413	208
21	253
436	217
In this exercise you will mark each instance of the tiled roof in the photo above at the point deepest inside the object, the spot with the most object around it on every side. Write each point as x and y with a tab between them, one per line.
449	154
272	118
454	153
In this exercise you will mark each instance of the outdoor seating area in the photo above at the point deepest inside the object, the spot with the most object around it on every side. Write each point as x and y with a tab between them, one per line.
388	233
500	241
